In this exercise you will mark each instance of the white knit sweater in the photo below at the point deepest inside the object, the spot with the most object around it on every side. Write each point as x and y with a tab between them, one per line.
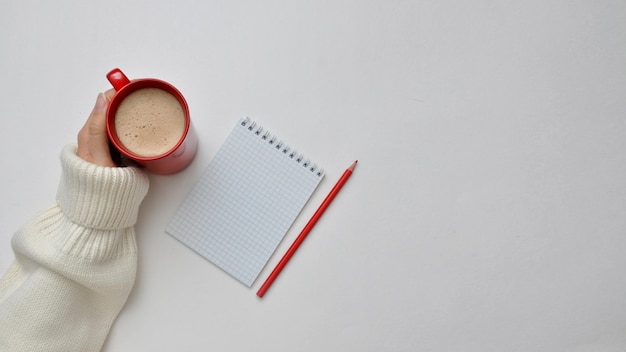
75	262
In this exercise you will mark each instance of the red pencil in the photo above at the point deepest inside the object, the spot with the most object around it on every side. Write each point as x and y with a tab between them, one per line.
305	231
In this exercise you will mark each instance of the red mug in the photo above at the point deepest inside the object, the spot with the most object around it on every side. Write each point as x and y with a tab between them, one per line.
173	160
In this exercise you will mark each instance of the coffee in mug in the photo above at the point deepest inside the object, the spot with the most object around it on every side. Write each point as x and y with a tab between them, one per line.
148	122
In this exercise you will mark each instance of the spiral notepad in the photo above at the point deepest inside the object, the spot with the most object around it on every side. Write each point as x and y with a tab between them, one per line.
245	201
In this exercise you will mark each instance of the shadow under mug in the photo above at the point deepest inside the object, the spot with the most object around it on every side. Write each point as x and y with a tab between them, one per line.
172	161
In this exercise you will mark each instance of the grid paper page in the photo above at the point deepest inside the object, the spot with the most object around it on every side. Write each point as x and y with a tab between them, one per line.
245	201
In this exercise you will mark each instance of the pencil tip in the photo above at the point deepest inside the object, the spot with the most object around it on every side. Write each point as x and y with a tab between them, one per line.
351	168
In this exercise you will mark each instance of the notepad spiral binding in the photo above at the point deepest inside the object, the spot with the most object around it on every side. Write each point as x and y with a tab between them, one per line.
279	145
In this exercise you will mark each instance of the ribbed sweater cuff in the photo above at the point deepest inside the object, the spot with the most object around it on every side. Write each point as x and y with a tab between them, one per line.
99	197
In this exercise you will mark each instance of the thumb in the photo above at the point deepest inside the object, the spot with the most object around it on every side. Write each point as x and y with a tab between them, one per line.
93	142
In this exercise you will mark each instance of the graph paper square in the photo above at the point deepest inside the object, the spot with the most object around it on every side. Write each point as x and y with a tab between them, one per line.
245	201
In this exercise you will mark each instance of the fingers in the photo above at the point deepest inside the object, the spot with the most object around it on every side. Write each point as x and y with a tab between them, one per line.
93	142
109	94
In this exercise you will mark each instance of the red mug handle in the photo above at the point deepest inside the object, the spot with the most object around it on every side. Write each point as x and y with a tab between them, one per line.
117	78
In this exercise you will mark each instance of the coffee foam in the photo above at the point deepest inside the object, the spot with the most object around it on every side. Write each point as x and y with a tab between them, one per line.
150	122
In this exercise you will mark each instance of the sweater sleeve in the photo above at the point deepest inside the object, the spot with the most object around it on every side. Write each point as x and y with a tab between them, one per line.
75	262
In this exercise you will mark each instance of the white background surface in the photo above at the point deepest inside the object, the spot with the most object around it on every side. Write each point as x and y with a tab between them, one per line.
488	209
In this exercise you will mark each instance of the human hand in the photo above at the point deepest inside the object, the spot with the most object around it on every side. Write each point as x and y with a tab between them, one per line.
93	141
